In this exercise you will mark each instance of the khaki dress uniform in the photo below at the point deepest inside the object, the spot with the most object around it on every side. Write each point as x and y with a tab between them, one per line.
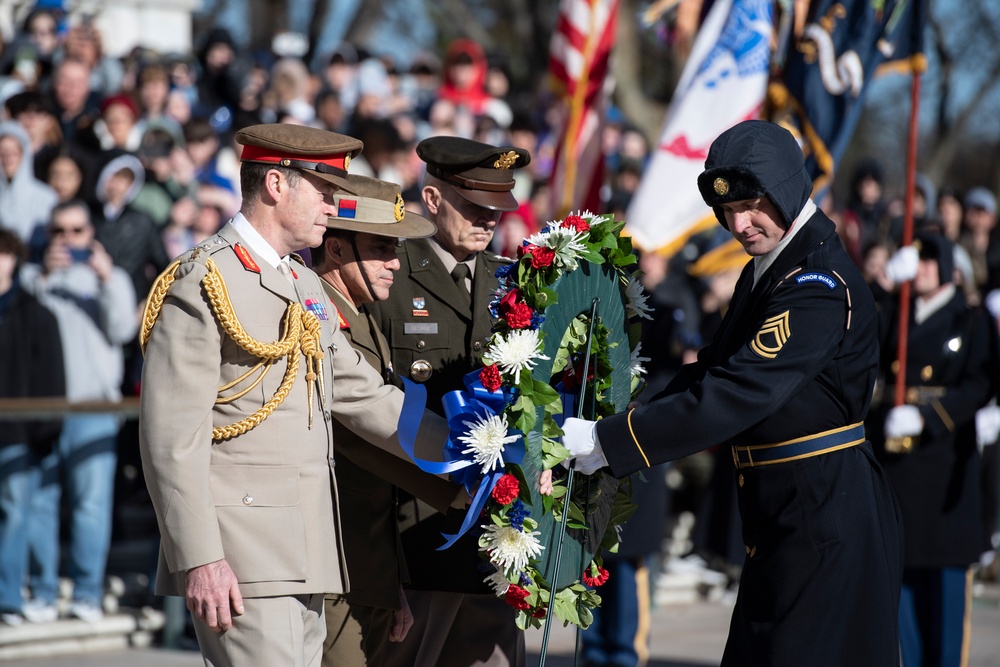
264	499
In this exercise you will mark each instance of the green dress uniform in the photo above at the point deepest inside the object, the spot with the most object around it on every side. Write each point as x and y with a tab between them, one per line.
367	481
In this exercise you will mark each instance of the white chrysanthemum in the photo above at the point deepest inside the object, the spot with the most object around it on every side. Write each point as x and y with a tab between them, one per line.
567	243
498	582
635	362
486	440
637	296
517	351
510	549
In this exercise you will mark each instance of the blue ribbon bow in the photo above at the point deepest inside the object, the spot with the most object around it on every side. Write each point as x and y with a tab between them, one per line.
460	406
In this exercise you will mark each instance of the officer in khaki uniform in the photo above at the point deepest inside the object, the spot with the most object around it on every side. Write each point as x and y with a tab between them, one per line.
356	263
437	321
244	370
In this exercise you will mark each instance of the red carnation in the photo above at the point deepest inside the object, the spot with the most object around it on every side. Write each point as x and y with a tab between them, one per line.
490	377
541	257
577	223
539	612
508	300
519	316
516	597
571	375
595	576
506	489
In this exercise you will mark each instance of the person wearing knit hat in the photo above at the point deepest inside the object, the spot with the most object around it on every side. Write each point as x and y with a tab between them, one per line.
785	384
356	262
928	446
245	369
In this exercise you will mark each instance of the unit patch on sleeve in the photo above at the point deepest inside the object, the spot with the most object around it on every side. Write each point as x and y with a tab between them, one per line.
773	335
816	278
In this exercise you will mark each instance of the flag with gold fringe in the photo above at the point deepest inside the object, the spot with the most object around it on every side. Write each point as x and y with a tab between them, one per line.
834	49
723	83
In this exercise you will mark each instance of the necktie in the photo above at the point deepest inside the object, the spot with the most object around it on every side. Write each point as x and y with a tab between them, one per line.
286	271
460	274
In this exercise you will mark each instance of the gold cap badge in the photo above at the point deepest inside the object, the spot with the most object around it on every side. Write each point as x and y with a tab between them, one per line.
399	209
506	160
721	186
347	162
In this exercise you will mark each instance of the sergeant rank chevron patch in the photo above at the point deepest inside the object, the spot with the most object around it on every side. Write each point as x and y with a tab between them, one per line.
772	336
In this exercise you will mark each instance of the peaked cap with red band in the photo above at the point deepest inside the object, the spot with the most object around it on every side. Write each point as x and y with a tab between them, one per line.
325	154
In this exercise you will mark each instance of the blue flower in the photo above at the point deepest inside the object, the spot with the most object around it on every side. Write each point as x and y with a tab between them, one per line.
518	512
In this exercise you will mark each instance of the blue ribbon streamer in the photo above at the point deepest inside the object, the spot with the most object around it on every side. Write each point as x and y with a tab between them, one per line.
460	406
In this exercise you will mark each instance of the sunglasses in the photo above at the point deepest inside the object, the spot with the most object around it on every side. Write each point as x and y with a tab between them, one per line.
58	231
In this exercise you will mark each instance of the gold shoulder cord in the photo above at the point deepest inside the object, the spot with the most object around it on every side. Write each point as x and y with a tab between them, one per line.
301	333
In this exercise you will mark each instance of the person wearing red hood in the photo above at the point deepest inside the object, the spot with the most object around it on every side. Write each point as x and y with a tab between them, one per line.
465	76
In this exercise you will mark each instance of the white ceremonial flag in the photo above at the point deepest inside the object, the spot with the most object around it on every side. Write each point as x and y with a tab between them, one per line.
723	83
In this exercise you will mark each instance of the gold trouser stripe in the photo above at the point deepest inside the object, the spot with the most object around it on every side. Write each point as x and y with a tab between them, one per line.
943	414
635	439
641	641
967	620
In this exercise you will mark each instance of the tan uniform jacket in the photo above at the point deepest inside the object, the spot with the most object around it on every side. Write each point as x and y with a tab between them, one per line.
367	478
264	501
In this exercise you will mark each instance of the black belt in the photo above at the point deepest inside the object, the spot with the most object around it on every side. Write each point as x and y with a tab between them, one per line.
749	456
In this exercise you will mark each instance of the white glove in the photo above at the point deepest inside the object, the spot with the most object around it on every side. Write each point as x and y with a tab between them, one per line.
902	266
581	440
903	421
987	425
992	302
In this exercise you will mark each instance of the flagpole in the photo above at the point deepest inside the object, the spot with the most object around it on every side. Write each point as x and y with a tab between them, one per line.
904	290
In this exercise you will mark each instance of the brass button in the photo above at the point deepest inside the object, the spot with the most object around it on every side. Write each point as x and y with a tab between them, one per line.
421	370
740	480
926	373
478	345
247	499
421	344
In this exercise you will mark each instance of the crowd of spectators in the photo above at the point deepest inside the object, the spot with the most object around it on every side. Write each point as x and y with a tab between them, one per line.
111	167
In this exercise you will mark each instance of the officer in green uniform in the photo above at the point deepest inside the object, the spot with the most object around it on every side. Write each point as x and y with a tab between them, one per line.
356	263
437	321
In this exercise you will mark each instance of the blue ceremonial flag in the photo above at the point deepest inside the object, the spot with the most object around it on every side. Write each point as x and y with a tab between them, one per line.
833	50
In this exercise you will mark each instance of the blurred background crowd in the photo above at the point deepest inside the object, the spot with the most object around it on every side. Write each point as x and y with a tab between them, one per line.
111	166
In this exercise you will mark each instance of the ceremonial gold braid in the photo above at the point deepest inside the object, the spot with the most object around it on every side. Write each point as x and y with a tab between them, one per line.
301	333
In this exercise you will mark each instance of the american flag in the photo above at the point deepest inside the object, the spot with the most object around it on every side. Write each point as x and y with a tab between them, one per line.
579	57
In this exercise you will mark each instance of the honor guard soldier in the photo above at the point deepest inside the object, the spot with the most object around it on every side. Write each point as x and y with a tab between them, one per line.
245	368
356	262
786	384
928	447
437	321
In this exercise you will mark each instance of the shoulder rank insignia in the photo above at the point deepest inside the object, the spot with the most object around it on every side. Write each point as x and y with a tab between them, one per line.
815	277
773	335
318	309
245	259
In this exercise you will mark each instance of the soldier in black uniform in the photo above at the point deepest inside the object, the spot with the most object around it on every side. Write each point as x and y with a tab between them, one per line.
786	383
437	322
928	448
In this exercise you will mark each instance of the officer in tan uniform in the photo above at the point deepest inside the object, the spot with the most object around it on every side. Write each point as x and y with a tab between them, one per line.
244	370
356	262
437	320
